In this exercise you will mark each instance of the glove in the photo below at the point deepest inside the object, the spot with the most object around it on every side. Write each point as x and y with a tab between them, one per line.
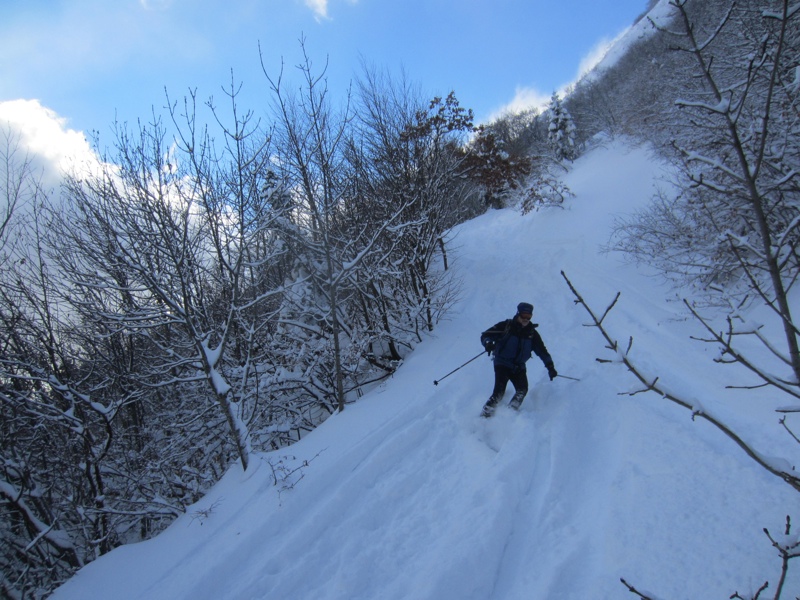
551	371
488	345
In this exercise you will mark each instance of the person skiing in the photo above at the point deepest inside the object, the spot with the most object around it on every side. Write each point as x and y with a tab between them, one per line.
511	342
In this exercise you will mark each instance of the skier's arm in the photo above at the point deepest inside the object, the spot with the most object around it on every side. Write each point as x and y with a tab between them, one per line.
491	336
541	351
494	333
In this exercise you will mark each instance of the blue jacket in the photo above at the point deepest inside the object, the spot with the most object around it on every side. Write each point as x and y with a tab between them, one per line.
514	344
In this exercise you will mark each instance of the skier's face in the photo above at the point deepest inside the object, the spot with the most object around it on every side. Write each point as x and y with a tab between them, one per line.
524	319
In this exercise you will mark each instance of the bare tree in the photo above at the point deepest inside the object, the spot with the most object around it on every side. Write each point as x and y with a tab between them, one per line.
736	224
788	547
20	186
173	245
56	417
364	241
417	159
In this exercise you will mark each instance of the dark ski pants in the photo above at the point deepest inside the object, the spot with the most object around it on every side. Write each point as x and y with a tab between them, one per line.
502	375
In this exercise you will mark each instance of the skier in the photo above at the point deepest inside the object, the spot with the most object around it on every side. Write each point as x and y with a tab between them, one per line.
512	341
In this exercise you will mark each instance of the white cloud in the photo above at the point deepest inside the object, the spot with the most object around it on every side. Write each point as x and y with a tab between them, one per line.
595	55
44	135
529	98
525	98
319	7
156	5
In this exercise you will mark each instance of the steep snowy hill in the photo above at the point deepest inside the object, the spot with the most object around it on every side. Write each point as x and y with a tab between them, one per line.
409	494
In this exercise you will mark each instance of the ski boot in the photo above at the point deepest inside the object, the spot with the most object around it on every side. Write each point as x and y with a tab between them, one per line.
516	401
489	407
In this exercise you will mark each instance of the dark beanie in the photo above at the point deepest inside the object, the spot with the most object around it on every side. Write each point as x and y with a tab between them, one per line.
523	308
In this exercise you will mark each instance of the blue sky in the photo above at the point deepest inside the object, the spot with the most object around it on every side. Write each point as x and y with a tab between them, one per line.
94	61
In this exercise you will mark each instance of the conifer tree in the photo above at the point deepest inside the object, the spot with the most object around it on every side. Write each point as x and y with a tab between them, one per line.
561	131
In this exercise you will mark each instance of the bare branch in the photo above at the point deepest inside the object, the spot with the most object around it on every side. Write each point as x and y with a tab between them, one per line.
652	385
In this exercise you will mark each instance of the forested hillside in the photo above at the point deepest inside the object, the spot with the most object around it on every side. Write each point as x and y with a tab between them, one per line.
214	286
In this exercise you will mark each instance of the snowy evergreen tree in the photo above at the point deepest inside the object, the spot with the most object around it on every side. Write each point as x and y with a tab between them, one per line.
561	130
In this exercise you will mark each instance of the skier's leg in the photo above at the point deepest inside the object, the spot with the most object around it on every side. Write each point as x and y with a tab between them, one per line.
516	399
520	382
501	376
489	407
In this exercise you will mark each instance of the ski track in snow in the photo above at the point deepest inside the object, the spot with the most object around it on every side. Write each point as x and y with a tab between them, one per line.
411	494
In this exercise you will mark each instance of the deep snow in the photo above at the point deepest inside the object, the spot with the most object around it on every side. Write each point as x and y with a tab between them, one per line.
409	494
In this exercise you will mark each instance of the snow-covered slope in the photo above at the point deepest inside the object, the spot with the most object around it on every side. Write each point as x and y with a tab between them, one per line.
409	494
658	16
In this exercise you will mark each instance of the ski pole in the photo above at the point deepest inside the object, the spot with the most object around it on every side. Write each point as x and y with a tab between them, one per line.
568	377
436	381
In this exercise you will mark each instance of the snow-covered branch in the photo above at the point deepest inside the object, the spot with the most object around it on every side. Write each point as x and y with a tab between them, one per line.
652	384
